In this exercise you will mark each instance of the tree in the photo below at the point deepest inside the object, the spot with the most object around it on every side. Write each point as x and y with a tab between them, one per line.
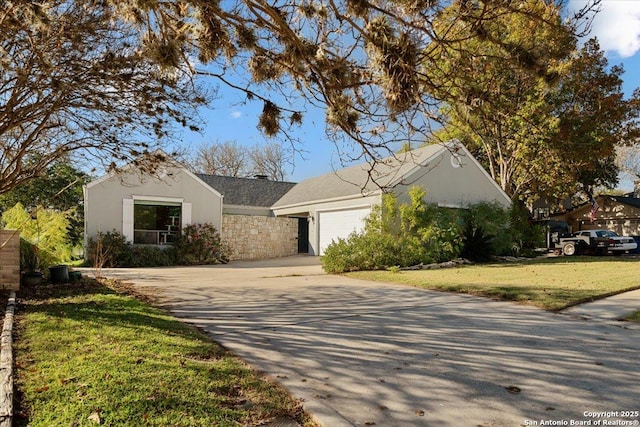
226	158
45	228
231	159
628	161
59	189
594	119
368	63
501	111
269	159
80	78
99	76
540	137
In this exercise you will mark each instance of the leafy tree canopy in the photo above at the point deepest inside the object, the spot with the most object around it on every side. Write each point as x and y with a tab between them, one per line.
540	136
111	77
58	189
75	78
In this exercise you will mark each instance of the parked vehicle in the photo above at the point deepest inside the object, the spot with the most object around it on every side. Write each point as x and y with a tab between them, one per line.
588	242
617	244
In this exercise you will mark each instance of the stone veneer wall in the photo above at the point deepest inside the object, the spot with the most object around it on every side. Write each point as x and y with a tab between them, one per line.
9	259
259	237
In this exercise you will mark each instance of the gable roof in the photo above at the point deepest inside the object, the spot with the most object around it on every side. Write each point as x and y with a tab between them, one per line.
159	173
631	201
247	191
363	179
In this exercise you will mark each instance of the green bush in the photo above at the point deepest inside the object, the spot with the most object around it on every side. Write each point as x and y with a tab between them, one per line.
361	251
110	249
152	256
31	258
477	244
44	228
200	244
527	237
486	232
398	235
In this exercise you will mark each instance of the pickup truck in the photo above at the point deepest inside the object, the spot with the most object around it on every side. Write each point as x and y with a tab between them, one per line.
587	242
560	241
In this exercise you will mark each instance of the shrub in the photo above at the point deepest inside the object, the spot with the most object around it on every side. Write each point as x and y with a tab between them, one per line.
152	256
45	228
526	236
361	251
110	249
200	244
31	257
395	235
477	245
487	231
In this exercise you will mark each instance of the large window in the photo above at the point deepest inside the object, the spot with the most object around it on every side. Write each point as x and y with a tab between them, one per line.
156	224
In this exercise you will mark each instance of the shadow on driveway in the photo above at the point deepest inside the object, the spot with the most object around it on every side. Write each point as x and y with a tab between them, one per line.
362	352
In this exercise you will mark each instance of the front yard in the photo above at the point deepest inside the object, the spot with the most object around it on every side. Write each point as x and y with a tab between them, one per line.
91	354
635	317
550	283
87	354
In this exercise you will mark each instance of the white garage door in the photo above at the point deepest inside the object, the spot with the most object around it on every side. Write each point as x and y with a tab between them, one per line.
339	224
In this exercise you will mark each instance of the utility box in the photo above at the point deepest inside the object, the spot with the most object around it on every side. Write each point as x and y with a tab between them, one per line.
9	259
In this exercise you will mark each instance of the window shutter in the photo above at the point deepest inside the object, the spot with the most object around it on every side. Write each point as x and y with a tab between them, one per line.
127	219
186	214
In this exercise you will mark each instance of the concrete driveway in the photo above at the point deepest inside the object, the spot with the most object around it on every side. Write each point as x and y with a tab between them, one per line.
363	353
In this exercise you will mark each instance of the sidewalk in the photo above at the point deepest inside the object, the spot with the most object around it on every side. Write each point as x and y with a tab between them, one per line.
611	309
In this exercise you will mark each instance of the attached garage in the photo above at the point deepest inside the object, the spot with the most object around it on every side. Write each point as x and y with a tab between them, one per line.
333	225
337	203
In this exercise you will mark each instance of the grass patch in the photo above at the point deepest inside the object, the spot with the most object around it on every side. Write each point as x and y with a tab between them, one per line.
550	283
635	317
86	354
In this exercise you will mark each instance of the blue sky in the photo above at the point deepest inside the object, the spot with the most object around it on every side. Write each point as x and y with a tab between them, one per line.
617	27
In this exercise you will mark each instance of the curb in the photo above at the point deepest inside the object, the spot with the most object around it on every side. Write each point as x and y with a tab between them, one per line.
6	364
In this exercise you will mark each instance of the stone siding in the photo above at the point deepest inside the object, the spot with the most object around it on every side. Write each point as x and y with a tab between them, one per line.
9	259
259	237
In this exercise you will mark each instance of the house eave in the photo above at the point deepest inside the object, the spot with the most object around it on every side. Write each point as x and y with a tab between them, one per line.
329	200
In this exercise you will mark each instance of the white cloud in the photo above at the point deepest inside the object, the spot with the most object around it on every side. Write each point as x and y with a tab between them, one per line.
236	114
617	26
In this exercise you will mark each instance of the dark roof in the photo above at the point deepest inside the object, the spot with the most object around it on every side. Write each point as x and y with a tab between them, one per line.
632	201
247	191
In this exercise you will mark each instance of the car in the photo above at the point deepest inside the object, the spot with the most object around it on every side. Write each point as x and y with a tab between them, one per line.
617	244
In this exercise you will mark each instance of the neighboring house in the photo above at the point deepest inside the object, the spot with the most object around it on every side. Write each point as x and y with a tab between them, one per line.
259	218
616	213
336	204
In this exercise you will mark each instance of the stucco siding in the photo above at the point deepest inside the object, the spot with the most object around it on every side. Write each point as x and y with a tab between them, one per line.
458	183
104	198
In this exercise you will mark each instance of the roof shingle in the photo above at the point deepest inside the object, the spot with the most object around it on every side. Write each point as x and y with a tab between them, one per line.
247	191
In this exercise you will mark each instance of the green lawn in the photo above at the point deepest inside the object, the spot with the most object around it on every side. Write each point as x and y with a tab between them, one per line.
550	283
635	317
88	355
